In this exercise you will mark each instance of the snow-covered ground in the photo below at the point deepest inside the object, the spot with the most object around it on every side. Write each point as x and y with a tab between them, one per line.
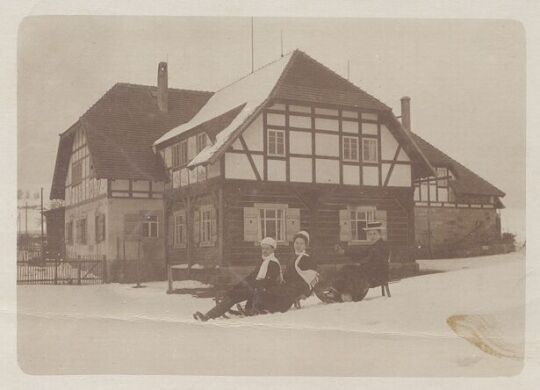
467	321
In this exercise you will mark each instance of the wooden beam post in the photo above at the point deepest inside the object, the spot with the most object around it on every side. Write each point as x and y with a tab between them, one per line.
220	222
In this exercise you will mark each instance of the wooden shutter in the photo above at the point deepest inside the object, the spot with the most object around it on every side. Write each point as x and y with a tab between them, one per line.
345	225
171	223
213	225
380	215
251	224
196	226
293	222
132	226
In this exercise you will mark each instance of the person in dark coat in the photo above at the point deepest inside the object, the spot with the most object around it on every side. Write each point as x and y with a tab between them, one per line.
374	264
300	278
267	275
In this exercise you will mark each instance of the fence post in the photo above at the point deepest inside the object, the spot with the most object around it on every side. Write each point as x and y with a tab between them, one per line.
56	270
79	270
104	265
169	279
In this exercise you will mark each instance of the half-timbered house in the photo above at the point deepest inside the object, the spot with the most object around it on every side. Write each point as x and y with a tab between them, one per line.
290	146
110	180
455	210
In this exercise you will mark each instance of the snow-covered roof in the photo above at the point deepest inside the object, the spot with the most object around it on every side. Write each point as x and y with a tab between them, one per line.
250	91
294	77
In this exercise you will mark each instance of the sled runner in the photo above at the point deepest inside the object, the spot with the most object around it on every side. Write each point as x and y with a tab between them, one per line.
353	284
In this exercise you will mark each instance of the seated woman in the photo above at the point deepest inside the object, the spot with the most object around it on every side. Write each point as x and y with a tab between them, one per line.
300	278
267	275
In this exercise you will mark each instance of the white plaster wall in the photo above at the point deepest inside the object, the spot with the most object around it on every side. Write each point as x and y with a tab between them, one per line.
350	127
301	169
300	121
351	174
370	176
276	170
326	171
259	164
401	176
369	128
253	135
300	142
327	145
389	144
237	166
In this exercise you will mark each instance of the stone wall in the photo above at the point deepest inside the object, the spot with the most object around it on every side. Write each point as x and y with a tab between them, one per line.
454	229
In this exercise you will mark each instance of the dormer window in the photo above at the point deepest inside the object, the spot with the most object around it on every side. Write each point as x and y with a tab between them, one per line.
442	173
201	142
179	154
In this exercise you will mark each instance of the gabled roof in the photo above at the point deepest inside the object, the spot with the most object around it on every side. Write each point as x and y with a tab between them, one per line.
294	77
466	181
121	128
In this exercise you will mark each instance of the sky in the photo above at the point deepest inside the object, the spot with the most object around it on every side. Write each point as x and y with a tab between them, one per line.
466	78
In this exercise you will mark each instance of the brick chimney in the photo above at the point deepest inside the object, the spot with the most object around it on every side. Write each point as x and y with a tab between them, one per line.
406	112
162	87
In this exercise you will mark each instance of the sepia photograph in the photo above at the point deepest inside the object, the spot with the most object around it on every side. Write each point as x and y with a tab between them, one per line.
271	196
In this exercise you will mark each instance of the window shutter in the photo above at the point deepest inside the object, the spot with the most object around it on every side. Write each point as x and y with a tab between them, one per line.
293	223
213	225
380	215
251	225
132	226
196	226
171	226
344	225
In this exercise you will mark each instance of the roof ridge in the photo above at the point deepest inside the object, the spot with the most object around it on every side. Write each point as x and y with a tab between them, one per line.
256	70
458	163
135	85
343	78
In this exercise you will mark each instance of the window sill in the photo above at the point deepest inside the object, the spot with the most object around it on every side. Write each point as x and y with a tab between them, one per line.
359	242
206	244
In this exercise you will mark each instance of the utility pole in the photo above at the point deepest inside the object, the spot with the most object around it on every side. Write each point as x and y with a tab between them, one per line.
281	43
42	237
252	64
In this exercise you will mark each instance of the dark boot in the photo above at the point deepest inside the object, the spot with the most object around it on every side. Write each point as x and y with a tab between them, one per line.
200	316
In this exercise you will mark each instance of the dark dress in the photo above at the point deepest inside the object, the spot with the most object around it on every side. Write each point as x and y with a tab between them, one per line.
248	289
373	264
281	297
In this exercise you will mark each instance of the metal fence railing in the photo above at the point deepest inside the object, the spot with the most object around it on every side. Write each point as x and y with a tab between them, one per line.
62	271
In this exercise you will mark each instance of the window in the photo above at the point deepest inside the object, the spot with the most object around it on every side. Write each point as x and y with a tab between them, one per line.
350	148
272	223
179	229
276	142
206	225
150	226
76	173
69	233
359	219
81	231
179	154
201	142
100	228
442	172
369	149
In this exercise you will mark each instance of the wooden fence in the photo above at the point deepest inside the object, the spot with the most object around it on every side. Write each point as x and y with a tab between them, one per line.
62	271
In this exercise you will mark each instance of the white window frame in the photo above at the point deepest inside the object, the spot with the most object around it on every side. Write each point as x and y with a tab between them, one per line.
275	132
180	233
369	212
149	221
205	225
374	159
442	172
262	218
350	139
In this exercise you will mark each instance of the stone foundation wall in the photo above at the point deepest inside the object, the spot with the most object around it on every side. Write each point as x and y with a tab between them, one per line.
454	229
